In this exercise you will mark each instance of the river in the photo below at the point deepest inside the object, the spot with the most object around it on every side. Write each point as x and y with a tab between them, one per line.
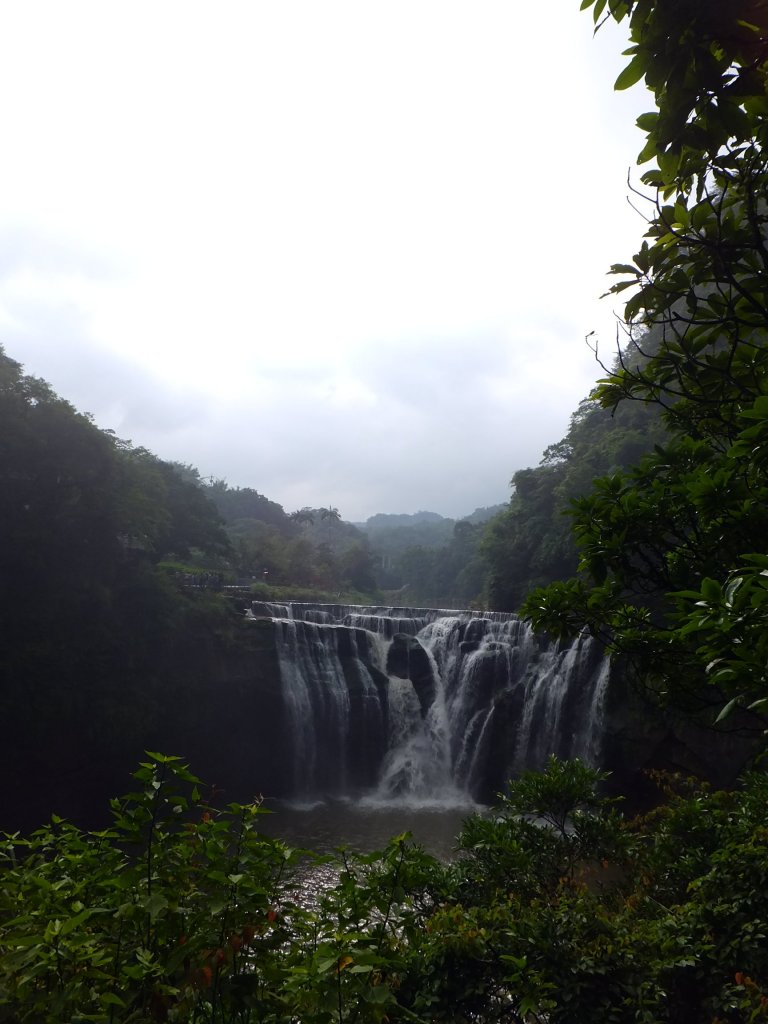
324	826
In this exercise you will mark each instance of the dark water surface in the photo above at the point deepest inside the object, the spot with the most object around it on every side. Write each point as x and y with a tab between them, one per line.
323	827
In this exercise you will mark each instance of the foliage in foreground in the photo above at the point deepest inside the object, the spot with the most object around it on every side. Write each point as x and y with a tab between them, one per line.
672	551
555	909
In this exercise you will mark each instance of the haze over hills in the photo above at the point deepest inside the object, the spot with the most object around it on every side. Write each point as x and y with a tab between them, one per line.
417	550
490	557
389	520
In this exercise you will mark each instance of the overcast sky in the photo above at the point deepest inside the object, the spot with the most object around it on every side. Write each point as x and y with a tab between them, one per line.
345	252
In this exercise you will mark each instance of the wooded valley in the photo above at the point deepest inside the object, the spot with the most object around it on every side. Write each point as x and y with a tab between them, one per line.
123	580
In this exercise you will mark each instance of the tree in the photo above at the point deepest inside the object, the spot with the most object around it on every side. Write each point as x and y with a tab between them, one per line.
93	637
557	911
261	550
530	543
236	503
331	516
670	547
193	520
302	516
357	567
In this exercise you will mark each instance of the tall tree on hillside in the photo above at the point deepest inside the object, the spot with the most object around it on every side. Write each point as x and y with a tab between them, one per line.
673	552
330	515
302	516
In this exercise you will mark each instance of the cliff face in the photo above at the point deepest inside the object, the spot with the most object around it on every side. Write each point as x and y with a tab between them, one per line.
228	717
639	738
211	695
282	707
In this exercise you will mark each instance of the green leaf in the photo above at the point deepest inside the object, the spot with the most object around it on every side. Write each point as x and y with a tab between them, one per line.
155	905
727	710
647	122
732	589
110	999
711	591
631	74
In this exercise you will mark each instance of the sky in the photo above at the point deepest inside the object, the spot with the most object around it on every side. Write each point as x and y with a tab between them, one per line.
345	252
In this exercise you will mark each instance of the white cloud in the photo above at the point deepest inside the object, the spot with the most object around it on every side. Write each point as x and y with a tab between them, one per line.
340	252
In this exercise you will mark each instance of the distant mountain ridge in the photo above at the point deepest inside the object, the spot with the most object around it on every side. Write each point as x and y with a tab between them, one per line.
393	520
387	520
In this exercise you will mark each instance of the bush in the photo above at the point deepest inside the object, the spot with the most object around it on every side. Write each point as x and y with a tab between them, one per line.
556	909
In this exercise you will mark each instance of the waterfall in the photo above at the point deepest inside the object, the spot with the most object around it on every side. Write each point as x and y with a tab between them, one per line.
426	705
331	691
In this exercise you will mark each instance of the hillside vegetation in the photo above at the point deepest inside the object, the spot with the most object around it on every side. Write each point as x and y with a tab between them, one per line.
557	910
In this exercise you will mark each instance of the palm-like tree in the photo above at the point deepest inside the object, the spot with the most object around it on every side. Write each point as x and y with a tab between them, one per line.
331	516
303	516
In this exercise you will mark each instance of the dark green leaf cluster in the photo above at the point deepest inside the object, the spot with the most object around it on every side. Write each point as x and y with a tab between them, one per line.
175	912
705	63
556	909
663	543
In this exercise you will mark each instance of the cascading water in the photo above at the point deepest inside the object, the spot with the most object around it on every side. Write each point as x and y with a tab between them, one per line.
417	765
421	705
332	691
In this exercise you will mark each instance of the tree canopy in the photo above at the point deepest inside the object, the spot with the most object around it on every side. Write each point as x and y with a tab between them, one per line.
557	909
185	911
88	620
673	550
531	543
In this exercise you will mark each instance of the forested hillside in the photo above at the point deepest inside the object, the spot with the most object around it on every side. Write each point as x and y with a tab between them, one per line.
531	542
116	626
311	549
672	549
89	620
429	559
557	909
116	629
165	512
